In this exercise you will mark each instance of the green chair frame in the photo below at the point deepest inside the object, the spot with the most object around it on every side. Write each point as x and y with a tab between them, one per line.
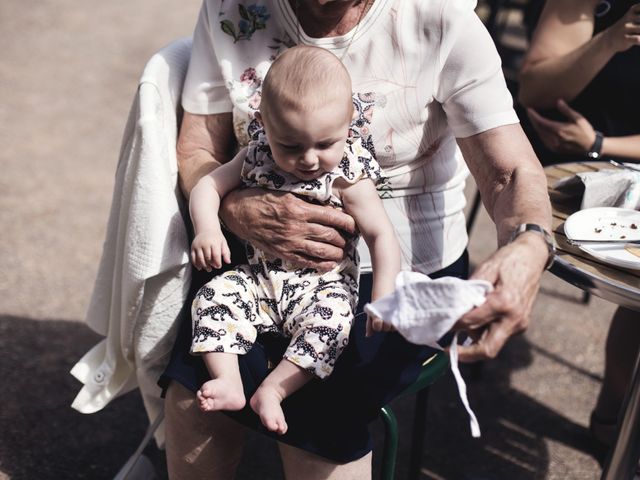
432	369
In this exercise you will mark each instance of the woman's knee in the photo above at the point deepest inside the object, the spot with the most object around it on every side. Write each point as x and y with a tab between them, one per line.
198	444
301	464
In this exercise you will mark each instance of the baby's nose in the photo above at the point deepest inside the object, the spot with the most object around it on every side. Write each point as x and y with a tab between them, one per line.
309	159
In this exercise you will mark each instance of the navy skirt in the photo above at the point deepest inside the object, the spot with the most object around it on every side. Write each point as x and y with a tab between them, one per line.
326	417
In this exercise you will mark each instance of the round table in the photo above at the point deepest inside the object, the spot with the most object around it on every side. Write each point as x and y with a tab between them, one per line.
615	284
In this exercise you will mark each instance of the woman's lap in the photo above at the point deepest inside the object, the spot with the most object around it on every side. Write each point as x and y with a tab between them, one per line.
329	417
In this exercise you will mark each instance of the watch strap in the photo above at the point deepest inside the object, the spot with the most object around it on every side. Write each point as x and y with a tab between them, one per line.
596	149
535	228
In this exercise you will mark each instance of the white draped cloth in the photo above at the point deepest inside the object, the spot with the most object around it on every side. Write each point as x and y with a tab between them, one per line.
143	276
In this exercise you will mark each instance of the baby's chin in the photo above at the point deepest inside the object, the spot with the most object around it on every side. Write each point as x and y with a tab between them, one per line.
308	174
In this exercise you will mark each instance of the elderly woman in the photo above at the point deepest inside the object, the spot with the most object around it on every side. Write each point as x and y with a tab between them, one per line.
431	104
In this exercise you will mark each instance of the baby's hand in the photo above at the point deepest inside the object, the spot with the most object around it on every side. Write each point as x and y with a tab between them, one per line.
375	324
209	249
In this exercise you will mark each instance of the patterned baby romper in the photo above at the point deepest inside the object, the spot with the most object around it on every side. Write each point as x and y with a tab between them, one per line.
269	294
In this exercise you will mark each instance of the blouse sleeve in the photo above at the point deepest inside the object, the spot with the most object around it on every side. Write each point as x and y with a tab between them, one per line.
204	90
470	83
358	163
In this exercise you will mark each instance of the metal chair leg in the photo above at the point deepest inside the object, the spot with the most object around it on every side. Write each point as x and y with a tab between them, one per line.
418	433
390	449
586	297
138	466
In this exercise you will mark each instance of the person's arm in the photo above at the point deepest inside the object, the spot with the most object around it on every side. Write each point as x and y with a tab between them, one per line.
577	135
362	202
626	147
513	188
209	247
564	55
205	142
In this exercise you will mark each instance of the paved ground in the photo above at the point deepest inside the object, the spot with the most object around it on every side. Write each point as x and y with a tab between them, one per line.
68	71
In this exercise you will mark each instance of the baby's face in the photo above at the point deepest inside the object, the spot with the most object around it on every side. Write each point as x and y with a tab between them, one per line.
308	143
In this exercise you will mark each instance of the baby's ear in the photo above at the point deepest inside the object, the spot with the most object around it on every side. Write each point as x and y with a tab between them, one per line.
258	117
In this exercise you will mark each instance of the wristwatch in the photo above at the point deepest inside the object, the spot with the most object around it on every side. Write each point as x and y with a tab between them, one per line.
535	228
596	149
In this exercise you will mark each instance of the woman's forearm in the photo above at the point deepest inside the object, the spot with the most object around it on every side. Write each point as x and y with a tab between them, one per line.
626	147
523	200
545	81
205	143
510	179
191	169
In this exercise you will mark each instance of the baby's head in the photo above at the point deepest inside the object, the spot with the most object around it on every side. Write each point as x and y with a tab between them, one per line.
306	109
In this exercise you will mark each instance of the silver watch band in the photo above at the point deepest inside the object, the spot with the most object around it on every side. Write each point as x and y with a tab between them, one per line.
535	228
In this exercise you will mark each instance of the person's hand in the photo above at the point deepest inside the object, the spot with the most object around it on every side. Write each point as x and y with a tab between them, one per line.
625	33
514	270
375	324
209	249
575	136
290	228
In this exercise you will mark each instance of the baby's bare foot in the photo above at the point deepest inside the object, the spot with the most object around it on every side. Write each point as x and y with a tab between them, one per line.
266	403
221	394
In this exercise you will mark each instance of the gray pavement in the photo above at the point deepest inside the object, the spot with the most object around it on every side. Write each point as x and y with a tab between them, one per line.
68	71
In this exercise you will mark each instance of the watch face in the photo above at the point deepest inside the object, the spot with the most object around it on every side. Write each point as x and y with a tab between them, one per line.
593	155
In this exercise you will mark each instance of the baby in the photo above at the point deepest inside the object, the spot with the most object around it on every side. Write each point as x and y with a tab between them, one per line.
306	109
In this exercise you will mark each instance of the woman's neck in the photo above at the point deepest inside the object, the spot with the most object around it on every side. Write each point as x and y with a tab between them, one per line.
332	19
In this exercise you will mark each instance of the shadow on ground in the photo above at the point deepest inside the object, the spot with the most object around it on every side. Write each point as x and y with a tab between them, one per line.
514	426
42	437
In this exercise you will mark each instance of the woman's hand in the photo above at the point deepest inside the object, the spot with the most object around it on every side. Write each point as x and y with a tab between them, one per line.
288	227
514	270
625	33
575	136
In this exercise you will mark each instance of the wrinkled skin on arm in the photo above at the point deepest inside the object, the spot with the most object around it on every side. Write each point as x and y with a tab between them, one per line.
514	191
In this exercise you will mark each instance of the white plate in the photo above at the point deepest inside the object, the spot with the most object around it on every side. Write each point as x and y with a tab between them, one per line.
604	223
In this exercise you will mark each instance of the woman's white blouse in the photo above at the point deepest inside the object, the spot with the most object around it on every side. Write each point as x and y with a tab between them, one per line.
423	73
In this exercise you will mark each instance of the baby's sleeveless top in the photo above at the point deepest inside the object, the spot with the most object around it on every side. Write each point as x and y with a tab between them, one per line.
260	170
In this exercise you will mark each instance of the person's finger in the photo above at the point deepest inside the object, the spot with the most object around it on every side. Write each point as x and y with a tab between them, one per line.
544	122
387	327
201	262
323	234
633	39
478	317
214	258
368	331
330	217
318	250
377	324
567	111
487	346
226	253
547	136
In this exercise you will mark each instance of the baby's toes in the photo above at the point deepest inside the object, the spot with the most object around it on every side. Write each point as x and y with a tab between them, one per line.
207	404
281	426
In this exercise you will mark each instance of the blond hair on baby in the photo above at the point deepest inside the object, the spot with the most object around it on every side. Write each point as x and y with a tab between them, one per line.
304	78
